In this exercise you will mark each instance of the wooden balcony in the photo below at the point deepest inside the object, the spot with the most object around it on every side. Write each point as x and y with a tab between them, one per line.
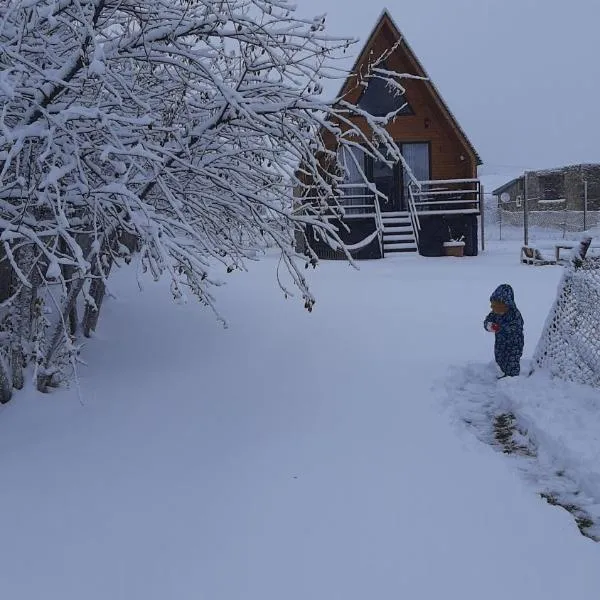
446	196
430	210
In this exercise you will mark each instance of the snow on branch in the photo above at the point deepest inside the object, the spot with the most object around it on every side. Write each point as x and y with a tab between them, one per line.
184	126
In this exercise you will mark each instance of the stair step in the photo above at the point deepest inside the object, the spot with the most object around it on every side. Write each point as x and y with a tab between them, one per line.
400	248
398	238
390	224
395	219
394	214
402	229
400	243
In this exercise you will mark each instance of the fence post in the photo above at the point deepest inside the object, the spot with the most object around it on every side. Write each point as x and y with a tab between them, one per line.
482	217
500	213
585	204
525	213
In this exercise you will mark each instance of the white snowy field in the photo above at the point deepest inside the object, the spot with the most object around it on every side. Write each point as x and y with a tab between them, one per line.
291	456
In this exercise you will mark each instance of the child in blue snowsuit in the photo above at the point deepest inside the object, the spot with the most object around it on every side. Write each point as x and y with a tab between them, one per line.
506	322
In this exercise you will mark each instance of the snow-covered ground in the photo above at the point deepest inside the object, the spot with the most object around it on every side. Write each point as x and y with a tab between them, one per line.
556	424
292	455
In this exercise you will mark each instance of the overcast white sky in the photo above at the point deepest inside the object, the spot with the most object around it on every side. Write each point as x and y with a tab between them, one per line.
521	76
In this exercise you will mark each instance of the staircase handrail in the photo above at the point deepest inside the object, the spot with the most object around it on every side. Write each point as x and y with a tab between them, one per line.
412	210
378	222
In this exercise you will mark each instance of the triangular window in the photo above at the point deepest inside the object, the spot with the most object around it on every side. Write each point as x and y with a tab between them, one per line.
379	99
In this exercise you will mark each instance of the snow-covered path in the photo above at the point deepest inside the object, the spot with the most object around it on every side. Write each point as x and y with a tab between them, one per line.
292	456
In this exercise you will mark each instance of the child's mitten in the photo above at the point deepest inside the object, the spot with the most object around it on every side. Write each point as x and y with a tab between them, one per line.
493	327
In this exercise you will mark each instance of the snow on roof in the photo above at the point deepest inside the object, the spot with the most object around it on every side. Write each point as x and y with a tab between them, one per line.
542	172
566	168
504	187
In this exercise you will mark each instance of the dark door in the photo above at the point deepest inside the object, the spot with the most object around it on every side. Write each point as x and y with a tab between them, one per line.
387	181
416	156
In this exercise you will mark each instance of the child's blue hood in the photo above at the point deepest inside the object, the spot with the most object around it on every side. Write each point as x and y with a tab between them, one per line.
504	293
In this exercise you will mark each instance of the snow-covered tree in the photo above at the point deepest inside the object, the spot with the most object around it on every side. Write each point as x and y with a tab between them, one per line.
177	129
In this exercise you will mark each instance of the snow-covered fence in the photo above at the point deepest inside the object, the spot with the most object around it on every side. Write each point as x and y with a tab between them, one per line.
569	347
511	222
559	221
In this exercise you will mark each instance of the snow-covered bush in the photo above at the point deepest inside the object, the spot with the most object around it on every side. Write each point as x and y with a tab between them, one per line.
173	128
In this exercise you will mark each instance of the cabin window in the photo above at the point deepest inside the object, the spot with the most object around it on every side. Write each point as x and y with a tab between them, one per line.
379	99
352	159
416	156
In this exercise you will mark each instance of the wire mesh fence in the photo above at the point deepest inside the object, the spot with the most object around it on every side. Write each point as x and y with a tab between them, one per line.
530	221
569	347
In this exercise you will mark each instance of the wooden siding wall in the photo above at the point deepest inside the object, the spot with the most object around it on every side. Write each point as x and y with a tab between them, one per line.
427	124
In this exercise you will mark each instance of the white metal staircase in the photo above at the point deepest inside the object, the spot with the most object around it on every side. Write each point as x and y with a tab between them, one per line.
398	232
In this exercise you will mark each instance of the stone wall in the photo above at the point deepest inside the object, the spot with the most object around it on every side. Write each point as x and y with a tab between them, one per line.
554	184
591	174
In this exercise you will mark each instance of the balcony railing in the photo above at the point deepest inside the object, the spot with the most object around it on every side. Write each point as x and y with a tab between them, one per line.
356	201
432	197
437	196
446	196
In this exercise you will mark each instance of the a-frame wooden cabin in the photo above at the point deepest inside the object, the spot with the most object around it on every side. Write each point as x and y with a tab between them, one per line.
443	200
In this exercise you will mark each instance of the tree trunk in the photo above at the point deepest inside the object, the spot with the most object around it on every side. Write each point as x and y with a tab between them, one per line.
5	380
23	315
90	318
73	321
46	373
97	291
44	378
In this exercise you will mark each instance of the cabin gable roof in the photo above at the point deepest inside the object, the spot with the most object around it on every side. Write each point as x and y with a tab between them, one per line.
387	28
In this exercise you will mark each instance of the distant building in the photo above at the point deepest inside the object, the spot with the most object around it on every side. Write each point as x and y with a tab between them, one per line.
563	188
